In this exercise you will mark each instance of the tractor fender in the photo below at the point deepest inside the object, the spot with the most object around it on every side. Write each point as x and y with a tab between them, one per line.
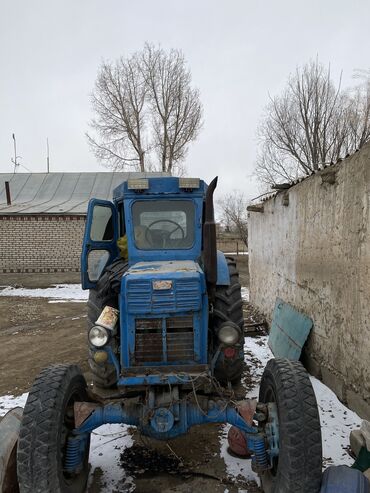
9	431
223	276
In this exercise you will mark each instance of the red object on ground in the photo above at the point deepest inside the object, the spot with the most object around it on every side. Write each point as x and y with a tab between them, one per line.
235	437
237	442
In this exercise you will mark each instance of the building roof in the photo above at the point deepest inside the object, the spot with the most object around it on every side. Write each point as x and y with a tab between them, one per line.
59	193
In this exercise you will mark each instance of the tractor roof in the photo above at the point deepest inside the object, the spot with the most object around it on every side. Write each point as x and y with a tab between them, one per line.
160	186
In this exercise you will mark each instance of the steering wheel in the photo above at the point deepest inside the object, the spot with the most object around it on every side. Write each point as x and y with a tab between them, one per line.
166	235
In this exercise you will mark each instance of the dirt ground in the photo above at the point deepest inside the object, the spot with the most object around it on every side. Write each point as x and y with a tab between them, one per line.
35	333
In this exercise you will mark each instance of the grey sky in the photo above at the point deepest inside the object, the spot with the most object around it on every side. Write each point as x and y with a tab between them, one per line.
238	52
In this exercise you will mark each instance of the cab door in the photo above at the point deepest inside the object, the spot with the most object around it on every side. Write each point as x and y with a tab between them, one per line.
99	247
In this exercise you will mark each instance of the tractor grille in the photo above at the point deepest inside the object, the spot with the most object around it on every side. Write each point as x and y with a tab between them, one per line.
164	340
184	296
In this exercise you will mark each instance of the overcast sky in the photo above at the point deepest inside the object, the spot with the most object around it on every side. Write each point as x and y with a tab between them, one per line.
239	51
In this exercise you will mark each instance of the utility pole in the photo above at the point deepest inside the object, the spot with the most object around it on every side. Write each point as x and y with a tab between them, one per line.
47	156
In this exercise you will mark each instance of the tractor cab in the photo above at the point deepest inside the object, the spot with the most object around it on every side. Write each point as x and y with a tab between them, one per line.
161	219
168	277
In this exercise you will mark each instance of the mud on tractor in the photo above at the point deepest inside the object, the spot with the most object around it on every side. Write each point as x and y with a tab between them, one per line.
165	335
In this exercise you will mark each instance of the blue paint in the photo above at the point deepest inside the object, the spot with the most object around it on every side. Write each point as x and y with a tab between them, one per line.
190	415
187	297
112	359
75	451
343	479
289	331
272	430
223	275
162	420
155	379
88	244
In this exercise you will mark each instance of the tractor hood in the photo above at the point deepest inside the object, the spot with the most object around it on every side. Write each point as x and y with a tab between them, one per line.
164	267
167	286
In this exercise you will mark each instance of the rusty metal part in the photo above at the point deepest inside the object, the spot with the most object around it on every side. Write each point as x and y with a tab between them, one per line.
108	318
82	411
247	410
9	431
237	443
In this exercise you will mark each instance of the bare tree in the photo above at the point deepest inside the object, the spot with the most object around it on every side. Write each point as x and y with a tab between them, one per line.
311	123
147	111
120	125
176	107
233	207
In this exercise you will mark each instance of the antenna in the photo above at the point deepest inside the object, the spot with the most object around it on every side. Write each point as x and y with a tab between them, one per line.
14	161
47	156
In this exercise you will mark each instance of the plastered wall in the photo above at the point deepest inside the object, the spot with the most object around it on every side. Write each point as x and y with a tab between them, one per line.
314	252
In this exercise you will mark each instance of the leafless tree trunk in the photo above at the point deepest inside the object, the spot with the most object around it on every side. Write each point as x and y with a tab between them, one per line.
119	103
176	107
145	108
310	124
233	208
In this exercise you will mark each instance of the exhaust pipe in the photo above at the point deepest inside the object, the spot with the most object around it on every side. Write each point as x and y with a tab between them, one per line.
209	241
7	191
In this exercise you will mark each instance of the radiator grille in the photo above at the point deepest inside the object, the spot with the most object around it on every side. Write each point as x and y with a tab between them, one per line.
183	296
148	340
180	339
157	339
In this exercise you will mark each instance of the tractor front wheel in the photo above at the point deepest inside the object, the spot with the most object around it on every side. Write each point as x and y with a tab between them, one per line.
47	423
297	468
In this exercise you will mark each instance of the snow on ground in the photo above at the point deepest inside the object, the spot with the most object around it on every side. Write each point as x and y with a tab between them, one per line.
58	293
109	441
235	467
107	444
336	419
8	402
245	293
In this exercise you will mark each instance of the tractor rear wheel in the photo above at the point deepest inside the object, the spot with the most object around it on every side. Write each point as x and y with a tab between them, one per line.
297	468
48	420
106	293
228	306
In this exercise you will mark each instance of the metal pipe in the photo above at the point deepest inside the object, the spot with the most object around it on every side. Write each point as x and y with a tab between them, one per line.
7	191
209	240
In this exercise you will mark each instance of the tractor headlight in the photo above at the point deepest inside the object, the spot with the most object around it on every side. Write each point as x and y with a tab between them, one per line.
98	336
229	333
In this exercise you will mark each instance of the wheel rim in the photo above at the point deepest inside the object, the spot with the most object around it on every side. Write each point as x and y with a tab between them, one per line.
68	425
269	477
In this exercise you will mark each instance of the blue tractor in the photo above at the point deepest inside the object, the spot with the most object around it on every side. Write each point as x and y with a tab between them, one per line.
165	335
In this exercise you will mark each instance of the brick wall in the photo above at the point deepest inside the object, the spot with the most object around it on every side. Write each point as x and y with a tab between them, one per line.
40	243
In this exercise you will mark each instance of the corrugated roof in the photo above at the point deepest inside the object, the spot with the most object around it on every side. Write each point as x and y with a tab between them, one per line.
59	193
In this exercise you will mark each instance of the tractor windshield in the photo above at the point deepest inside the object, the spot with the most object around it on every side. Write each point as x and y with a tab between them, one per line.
163	224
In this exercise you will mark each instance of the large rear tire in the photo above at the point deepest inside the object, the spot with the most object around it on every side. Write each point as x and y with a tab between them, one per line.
228	306
298	466
48	419
106	293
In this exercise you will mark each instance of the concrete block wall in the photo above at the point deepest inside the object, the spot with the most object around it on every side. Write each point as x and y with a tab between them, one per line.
311	247
40	243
